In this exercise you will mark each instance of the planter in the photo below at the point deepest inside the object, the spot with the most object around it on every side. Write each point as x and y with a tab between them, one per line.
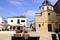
18	31
25	31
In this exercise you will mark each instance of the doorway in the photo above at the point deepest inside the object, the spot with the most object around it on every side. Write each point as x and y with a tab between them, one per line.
18	28
50	27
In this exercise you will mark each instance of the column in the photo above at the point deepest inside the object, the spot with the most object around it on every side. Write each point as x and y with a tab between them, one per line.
16	28
12	27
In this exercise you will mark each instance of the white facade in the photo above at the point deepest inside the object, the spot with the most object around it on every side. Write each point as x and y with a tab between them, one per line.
19	21
47	7
2	23
1	20
15	21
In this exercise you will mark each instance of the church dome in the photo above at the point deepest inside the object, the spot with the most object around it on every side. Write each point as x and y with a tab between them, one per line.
46	5
46	2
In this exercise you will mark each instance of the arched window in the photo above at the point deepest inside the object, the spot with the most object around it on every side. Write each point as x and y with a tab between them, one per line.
39	25
48	13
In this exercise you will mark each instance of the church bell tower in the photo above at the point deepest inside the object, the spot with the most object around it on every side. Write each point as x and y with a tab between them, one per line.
46	5
47	19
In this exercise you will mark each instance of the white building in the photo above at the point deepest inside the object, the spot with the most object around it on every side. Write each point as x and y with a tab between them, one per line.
17	22
32	23
3	23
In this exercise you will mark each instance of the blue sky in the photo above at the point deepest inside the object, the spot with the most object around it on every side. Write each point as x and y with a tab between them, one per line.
21	7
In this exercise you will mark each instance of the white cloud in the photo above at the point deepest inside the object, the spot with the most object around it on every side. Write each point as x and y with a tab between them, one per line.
16	3
30	12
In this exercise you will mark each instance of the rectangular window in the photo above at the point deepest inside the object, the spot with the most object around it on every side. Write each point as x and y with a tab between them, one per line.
50	27
22	20
18	21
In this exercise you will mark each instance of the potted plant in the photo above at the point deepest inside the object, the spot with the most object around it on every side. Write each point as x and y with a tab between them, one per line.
25	31
18	31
